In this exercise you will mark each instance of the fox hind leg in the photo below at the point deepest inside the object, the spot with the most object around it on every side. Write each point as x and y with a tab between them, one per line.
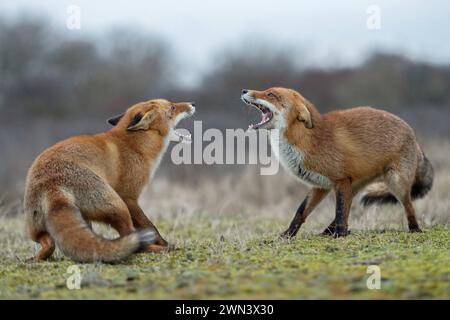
106	207
47	246
118	217
400	183
411	214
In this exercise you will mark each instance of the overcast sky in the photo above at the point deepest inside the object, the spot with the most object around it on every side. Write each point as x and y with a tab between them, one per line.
330	32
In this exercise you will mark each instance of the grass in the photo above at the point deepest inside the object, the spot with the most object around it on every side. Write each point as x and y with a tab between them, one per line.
227	229
242	258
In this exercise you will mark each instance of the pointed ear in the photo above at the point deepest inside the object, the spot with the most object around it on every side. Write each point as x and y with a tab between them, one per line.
305	116
141	121
115	120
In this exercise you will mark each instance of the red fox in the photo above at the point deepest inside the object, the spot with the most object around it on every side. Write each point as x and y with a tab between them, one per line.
100	178
344	151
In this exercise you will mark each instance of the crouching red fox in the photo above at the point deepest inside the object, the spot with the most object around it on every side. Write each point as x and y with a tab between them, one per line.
100	178
344	151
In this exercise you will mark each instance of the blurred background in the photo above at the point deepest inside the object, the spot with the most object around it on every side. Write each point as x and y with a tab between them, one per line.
61	77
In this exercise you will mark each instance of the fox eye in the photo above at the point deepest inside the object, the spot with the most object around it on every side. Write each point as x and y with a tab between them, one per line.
172	108
270	94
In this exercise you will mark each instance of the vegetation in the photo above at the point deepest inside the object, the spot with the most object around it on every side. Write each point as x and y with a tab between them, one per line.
241	257
68	84
225	221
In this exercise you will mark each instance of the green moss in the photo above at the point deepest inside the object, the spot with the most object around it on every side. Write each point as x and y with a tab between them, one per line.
238	258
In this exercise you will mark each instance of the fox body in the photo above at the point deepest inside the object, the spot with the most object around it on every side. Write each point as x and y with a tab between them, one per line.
344	151
99	178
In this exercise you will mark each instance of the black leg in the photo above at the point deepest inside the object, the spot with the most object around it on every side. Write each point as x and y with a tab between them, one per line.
343	201
330	230
311	201
341	228
296	222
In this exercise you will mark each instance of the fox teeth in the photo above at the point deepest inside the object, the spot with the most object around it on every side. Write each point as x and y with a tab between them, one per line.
186	137
178	137
183	137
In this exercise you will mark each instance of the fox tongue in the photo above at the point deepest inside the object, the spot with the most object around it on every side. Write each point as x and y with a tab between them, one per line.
265	118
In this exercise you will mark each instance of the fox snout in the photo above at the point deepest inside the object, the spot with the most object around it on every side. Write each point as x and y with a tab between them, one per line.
246	96
191	109
185	108
244	93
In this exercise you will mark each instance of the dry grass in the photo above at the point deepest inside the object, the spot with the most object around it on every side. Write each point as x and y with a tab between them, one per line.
228	228
250	194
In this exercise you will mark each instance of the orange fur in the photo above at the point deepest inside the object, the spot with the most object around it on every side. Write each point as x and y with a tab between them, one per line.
345	150
100	178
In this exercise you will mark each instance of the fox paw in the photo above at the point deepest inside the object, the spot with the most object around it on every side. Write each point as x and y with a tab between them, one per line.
288	234
341	233
328	232
159	248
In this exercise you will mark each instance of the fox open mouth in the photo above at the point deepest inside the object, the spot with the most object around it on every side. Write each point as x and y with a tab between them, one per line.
177	136
267	115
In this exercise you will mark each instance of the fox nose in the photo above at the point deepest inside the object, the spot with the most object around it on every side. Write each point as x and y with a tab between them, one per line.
244	91
193	104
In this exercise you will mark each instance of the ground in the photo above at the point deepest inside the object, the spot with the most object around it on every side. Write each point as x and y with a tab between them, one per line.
227	230
241	257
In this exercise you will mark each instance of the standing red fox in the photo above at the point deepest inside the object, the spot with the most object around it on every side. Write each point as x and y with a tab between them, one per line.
100	178
343	151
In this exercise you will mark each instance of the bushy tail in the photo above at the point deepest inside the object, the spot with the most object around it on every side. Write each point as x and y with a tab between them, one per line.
77	240
424	179
378	193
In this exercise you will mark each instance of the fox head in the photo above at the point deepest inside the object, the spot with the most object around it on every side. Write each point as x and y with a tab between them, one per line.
159	114
280	107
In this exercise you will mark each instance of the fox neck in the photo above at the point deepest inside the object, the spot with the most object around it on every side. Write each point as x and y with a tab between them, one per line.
148	146
296	134
292	144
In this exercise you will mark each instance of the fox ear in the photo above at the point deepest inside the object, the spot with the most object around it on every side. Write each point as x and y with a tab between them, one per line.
305	116
141	121
115	120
